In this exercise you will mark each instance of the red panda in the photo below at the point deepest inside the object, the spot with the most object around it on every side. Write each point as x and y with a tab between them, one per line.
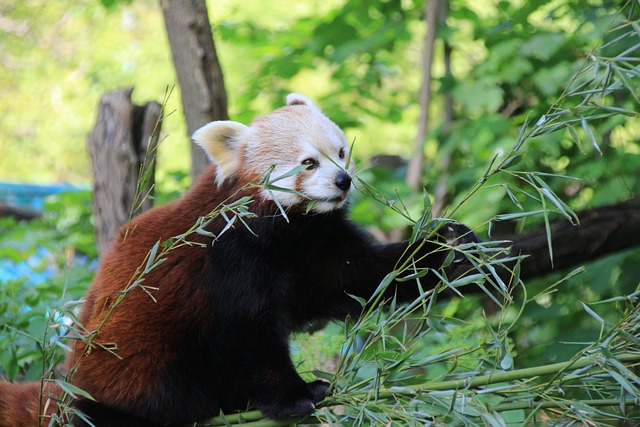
207	328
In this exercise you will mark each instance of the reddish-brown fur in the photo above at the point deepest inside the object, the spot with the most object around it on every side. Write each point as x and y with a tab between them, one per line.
99	371
207	328
20	404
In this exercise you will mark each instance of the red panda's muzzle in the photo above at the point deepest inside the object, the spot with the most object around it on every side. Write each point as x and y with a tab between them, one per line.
343	182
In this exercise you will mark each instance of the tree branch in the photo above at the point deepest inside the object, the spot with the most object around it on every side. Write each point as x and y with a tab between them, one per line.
602	231
20	214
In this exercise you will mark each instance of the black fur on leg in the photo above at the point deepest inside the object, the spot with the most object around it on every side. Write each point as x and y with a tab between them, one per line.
103	416
288	403
318	390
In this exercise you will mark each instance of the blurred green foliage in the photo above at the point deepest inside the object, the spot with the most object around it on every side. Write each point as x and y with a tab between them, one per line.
512	63
49	263
57	59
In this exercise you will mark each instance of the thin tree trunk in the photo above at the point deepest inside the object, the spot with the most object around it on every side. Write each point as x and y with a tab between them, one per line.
414	172
441	191
204	97
118	146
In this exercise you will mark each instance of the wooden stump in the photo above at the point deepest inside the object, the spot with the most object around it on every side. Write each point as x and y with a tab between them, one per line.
20	214
123	137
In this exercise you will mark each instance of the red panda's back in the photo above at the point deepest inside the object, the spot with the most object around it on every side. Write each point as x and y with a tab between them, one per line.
136	320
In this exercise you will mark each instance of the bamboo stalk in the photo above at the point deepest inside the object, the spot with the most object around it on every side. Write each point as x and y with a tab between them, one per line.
235	418
256	419
559	404
498	377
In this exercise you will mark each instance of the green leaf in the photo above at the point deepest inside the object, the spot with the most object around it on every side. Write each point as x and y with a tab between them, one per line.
588	131
509	217
384	284
507	362
626	81
630	388
592	313
152	256
73	390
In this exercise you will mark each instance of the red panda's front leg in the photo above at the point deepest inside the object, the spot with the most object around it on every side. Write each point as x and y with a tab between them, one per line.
287	401
272	383
368	266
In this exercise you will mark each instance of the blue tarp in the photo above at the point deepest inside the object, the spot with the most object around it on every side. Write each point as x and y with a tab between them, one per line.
29	196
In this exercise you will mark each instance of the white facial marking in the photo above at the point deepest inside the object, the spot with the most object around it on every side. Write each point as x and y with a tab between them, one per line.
299	137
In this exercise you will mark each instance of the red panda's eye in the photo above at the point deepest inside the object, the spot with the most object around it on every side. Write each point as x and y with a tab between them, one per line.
310	163
341	154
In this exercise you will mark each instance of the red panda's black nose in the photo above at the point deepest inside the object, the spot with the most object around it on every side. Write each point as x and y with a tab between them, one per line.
343	181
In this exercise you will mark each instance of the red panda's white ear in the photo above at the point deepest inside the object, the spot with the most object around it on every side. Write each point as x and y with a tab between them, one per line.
298	99
221	141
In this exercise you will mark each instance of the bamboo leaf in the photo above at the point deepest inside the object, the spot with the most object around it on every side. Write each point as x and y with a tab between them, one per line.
623	369
588	131
507	362
360	300
204	232
547	228
152	256
512	216
72	390
466	280
617	110
521	139
512	196
562	207
592	313
625	80
349	159
230	223
390	277
624	383
288	174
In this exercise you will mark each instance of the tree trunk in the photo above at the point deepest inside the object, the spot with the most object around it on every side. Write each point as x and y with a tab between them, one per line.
414	172
203	94
602	231
440	197
118	145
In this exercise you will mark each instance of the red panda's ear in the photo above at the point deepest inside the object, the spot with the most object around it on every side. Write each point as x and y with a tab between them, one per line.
298	99
221	141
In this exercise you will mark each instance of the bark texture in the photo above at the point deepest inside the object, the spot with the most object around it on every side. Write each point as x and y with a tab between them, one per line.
602	231
203	94
118	145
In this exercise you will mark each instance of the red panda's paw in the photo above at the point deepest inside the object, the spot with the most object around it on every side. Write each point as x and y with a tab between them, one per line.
455	234
318	390
294	402
280	408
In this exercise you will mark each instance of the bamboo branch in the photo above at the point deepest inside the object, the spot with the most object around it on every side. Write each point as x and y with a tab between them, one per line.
256	419
497	377
635	401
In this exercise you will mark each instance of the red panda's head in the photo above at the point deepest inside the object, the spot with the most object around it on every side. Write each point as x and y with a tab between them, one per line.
296	143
